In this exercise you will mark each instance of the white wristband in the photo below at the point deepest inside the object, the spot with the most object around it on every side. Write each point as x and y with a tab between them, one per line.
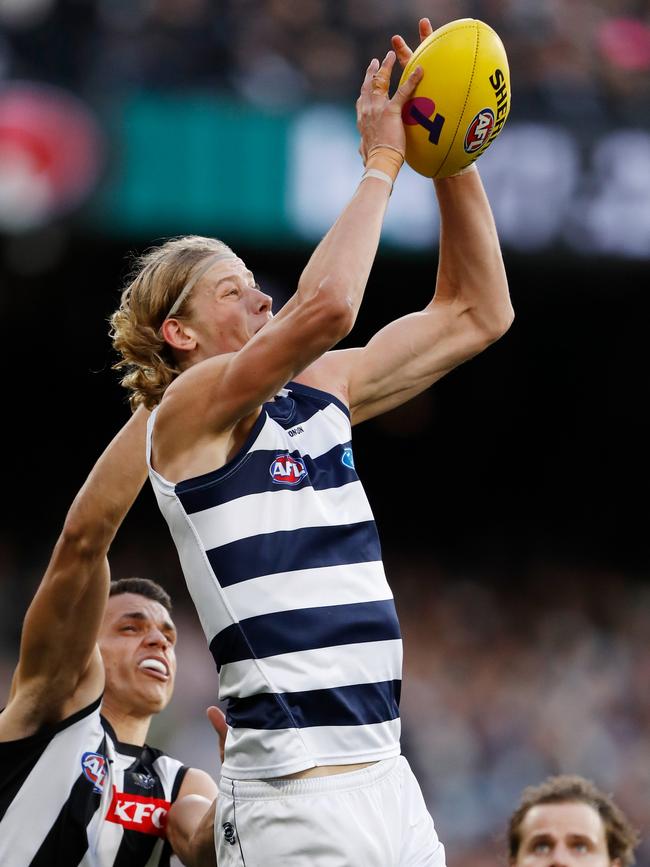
381	176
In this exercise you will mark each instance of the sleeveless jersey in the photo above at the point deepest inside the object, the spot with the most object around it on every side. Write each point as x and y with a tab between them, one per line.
281	556
72	795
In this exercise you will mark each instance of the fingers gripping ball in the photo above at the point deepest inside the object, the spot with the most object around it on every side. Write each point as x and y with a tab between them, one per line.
463	100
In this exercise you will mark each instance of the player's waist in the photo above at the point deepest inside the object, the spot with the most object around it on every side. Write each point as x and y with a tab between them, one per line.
318	780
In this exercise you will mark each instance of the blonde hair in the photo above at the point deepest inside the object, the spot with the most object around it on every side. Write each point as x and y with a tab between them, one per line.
156	281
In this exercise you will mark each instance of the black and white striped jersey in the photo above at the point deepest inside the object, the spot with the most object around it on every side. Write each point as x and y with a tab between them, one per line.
72	795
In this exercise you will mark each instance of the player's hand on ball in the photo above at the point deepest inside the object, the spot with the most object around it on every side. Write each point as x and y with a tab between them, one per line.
379	117
402	50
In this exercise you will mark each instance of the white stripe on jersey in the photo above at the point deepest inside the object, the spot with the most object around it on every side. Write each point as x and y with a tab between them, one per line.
167	769
332	744
32	813
323	668
325	429
156	853
281	510
309	588
105	838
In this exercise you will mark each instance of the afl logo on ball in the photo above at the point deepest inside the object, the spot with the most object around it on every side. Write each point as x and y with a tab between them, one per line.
479	131
286	470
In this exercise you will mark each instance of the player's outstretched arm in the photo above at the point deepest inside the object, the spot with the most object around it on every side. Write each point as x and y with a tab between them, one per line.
345	256
470	307
59	668
190	821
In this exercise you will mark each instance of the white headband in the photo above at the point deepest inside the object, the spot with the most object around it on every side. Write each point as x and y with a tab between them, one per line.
187	288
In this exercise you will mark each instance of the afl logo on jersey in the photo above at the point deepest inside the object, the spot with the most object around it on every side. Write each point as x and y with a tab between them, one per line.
286	470
94	767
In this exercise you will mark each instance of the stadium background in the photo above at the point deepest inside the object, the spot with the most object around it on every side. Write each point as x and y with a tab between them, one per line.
511	498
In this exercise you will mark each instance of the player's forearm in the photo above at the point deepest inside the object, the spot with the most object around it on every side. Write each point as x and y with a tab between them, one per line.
342	262
110	490
63	620
470	269
190	831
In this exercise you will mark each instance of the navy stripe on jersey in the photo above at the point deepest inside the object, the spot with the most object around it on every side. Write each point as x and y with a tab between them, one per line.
361	704
305	629
324	397
311	547
323	472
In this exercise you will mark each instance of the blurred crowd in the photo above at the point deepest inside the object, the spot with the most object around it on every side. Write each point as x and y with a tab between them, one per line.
505	681
587	59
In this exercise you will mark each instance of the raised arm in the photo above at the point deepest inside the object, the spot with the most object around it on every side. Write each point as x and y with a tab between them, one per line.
469	310
223	389
59	669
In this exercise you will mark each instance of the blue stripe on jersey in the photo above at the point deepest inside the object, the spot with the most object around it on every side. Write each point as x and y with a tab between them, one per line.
325	471
361	704
310	548
305	629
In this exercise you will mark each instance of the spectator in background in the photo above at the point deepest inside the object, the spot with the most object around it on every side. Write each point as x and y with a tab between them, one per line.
568	821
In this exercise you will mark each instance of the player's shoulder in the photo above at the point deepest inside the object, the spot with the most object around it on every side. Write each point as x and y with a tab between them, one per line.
331	373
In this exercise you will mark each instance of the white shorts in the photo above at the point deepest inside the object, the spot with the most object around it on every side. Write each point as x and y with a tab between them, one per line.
374	817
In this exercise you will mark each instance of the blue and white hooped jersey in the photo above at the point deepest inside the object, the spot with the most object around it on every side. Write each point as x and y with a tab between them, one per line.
282	559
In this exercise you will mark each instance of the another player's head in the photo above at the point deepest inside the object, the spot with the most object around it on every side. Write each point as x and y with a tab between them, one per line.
137	640
189	299
567	821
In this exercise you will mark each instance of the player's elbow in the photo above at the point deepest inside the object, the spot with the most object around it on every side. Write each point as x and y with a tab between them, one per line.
499	322
332	314
492	320
85	540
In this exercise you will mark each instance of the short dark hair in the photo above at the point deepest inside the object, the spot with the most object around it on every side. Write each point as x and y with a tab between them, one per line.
621	837
143	587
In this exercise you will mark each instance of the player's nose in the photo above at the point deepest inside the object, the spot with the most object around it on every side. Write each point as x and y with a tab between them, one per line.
561	857
156	638
262	301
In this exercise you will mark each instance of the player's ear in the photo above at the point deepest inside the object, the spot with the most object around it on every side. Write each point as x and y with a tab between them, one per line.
178	334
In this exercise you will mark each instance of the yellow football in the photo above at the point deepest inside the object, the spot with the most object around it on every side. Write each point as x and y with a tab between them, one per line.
462	102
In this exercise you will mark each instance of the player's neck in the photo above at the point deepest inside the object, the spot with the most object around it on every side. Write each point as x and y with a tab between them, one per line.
129	728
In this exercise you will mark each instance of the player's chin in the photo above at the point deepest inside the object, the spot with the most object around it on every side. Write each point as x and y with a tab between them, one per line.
157	697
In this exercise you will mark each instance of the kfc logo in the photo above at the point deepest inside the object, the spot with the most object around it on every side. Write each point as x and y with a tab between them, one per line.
136	813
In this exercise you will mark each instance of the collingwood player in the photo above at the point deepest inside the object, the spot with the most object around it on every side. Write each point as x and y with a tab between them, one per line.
78	785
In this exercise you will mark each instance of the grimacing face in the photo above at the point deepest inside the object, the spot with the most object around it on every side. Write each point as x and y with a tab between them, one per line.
569	834
137	641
